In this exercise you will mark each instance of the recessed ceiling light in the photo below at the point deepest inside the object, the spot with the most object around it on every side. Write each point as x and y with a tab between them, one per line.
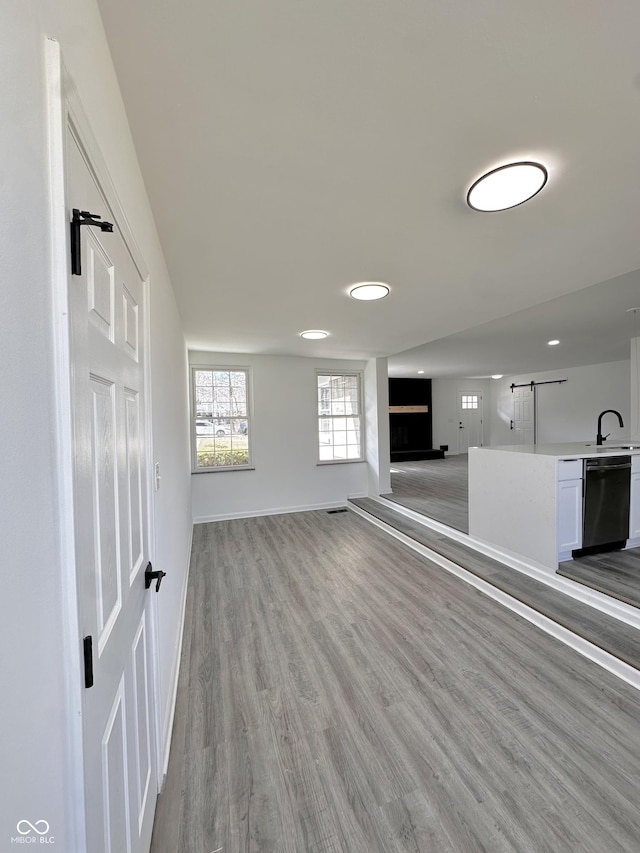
553	343
497	376
369	290
507	186
314	334
421	371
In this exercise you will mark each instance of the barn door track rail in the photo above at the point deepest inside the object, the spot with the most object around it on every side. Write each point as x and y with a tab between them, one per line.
533	384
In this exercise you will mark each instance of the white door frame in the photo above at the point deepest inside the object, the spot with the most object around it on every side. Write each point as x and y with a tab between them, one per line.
64	108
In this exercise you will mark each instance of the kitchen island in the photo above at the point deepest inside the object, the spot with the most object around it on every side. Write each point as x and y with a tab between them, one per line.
528	500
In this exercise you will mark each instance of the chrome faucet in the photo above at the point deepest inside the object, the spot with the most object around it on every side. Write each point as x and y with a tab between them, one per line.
600	438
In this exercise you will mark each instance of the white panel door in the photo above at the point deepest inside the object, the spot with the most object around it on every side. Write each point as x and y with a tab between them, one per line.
107	346
523	415
469	420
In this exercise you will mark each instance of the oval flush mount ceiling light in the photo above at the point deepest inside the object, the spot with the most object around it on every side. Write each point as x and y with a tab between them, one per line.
497	376
507	186
553	343
367	291
421	371
314	335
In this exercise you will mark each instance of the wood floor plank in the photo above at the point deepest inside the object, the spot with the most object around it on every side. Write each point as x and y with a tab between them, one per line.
616	573
314	825
205	822
615	637
434	487
339	693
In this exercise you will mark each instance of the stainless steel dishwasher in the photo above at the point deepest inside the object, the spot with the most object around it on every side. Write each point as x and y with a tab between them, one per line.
607	486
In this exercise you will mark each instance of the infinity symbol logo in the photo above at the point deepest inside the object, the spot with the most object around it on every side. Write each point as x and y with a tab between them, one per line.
41	827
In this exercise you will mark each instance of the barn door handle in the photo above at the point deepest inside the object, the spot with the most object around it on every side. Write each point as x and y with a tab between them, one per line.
150	576
510	424
80	218
87	647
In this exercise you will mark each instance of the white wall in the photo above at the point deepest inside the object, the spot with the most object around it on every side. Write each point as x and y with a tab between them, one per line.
634	430
33	719
286	476
172	503
444	406
567	412
36	779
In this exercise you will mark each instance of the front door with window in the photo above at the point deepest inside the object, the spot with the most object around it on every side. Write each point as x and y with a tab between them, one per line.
469	420
112	540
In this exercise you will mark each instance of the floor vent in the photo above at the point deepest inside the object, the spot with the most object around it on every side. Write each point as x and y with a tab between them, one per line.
340	509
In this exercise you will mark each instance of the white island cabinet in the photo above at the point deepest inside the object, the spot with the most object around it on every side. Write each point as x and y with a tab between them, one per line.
527	500
569	507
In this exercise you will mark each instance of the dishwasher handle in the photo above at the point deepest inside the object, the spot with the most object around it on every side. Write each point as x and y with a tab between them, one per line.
611	464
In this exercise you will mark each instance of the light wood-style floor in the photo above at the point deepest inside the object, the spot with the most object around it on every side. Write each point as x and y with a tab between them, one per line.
615	573
608	633
340	693
437	488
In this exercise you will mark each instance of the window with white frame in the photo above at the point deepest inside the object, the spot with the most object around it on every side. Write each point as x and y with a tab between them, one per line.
221	418
470	401
339	417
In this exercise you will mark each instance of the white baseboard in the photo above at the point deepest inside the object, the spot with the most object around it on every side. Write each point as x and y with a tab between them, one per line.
282	510
175	669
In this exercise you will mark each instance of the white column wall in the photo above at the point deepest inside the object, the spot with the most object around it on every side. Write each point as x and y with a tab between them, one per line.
376	402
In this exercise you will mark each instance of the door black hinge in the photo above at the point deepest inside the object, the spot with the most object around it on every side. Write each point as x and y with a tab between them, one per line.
88	661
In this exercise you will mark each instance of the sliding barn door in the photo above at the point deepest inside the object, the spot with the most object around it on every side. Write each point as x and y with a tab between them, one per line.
524	415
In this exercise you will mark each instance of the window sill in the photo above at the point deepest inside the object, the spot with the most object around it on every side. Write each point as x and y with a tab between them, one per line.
339	461
223	470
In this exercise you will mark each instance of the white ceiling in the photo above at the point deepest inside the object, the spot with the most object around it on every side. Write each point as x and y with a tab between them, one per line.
593	325
293	147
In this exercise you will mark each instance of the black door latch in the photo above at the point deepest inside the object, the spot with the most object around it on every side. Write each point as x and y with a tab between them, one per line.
150	576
